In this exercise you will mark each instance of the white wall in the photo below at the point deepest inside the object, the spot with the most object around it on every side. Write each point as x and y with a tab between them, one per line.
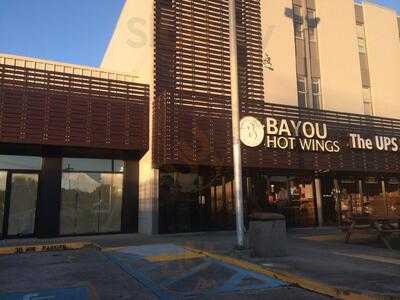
339	59
383	47
131	50
280	85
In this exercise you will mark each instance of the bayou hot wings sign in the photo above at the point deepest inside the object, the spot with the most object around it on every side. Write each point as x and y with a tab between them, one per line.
308	136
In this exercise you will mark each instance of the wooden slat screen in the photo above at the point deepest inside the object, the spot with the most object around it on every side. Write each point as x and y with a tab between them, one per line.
61	109
250	56
204	139
192	64
192	116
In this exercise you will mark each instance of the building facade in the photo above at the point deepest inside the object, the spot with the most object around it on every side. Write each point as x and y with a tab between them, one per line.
329	55
319	97
70	143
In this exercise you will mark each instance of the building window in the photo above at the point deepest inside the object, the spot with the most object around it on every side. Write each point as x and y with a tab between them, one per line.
297	14
3	183
312	34
367	95
312	25
316	91
362	47
298	31
368	109
367	100
302	91
298	22
12	162
360	31
91	196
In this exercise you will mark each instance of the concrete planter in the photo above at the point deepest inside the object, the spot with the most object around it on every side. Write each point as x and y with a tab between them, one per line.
267	235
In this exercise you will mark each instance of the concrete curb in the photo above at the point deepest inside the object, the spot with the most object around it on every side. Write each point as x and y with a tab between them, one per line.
305	283
45	247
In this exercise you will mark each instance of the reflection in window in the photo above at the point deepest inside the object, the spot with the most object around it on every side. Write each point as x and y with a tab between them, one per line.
12	162
351	200
298	31
3	179
298	22
92	165
180	201
21	219
291	196
91	202
191	201
312	25
374	200
393	197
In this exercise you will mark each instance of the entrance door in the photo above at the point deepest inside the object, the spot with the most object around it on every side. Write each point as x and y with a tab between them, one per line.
20	199
329	210
3	184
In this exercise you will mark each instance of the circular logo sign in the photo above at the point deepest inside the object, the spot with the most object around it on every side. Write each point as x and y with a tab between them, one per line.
251	132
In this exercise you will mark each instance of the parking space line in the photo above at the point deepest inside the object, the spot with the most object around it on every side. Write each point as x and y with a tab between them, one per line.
380	259
172	257
137	275
184	275
306	283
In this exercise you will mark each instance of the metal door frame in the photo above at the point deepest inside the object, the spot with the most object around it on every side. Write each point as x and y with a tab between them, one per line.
6	216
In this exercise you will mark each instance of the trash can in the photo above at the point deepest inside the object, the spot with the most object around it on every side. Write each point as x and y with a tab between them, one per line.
267	235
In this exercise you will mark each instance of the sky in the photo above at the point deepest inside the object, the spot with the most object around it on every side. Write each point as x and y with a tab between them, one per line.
71	31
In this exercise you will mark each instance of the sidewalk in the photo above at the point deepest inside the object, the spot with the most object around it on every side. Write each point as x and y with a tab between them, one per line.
320	255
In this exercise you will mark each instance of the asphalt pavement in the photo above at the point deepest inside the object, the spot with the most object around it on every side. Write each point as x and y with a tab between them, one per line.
114	269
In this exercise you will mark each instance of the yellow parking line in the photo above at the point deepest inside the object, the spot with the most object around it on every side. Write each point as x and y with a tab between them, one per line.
109	249
43	248
308	284
172	257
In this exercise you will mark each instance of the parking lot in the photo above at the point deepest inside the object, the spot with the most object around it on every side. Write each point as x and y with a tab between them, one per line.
199	266
158	271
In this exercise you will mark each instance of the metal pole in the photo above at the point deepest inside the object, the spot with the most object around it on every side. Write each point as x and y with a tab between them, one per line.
237	159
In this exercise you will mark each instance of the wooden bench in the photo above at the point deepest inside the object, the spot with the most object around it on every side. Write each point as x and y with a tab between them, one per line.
384	227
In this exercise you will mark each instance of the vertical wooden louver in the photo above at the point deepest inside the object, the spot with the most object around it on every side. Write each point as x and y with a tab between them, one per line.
192	81
250	50
192	115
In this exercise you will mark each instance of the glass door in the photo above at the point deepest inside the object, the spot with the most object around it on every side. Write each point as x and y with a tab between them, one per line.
3	184
21	207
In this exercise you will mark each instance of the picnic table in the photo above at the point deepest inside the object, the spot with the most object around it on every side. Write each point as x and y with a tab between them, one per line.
385	227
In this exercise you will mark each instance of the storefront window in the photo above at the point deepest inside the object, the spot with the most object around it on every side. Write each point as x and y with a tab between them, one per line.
195	201
179	202
301	202
291	196
91	201
369	196
393	196
92	165
222	201
350	198
23	197
3	179
12	162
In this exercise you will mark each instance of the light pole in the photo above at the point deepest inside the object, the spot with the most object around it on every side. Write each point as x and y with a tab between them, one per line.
237	158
